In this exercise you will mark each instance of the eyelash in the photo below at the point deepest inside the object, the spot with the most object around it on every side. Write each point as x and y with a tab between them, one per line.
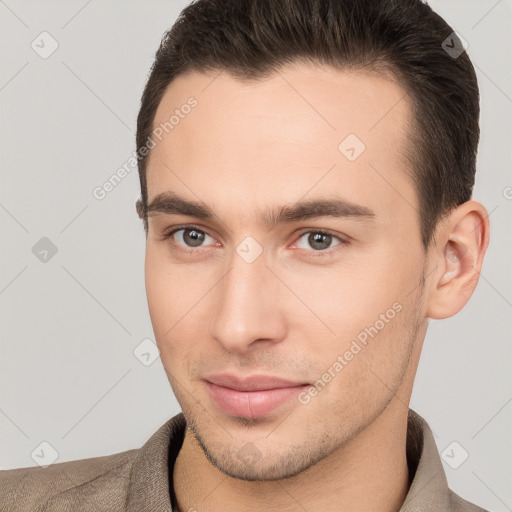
321	253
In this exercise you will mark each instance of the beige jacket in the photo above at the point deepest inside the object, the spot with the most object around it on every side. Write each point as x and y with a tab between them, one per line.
138	480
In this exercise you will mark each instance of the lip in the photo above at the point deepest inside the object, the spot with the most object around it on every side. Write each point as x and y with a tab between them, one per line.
253	396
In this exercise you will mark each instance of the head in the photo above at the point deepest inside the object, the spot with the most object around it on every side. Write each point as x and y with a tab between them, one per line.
306	173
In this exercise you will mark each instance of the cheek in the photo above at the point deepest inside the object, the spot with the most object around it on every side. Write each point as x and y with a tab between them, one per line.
174	293
165	295
344	299
159	294
363	367
170	288
360	310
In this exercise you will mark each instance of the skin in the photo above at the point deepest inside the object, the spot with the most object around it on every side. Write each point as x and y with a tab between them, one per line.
250	146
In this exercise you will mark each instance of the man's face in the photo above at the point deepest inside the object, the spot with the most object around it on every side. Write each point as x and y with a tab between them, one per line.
337	314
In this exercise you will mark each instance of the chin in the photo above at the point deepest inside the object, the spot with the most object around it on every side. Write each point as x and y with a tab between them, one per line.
252	464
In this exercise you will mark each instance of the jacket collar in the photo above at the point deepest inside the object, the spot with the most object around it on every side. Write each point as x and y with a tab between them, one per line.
429	488
149	478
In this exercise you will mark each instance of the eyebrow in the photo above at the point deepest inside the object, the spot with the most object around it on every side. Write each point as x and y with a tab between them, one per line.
169	203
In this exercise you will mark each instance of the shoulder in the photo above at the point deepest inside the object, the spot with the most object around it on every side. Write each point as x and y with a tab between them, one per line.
136	479
78	483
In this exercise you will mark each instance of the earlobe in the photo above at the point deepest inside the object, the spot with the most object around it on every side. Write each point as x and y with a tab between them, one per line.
462	242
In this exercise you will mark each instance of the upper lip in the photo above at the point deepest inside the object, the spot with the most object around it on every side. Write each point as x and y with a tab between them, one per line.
251	382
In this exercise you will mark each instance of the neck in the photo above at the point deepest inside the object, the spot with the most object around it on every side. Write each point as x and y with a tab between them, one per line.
367	473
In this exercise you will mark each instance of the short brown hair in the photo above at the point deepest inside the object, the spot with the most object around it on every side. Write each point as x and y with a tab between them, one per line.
251	39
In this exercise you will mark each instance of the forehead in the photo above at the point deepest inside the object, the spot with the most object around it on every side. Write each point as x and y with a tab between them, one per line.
303	130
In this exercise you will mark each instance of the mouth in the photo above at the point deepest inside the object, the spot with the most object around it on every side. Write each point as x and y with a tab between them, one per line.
254	396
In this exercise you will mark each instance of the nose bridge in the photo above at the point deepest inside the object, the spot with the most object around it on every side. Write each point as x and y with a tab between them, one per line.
246	302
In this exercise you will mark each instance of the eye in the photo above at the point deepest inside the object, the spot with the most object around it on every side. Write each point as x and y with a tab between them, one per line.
189	237
321	241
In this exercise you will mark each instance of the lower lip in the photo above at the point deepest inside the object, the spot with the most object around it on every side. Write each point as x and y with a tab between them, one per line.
251	404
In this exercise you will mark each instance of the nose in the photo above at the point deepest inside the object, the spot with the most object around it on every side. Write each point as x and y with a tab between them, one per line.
248	311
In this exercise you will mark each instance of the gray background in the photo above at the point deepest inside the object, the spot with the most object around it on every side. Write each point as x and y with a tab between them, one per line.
68	374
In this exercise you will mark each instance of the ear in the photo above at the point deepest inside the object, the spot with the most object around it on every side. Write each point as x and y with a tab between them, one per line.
460	245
